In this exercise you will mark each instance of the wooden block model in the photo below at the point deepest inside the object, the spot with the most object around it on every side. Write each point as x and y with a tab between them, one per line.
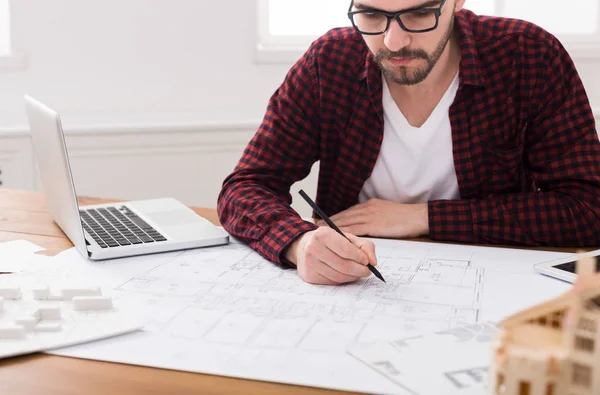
552	348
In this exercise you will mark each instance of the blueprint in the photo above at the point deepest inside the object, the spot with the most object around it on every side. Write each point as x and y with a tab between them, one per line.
227	311
449	362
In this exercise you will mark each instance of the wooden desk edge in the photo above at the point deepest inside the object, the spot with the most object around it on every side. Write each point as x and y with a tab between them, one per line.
58	375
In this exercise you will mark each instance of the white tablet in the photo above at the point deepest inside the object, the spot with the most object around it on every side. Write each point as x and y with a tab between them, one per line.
564	269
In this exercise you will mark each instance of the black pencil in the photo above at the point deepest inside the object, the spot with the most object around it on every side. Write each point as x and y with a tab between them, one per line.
334	227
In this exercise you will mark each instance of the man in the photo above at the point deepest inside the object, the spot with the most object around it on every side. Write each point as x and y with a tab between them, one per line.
426	120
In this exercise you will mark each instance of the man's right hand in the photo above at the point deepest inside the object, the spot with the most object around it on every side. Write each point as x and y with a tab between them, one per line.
323	256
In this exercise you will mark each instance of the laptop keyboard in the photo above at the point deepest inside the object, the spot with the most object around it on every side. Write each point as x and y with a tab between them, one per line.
115	227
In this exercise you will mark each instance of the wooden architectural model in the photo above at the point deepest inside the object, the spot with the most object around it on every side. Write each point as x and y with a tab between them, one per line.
552	348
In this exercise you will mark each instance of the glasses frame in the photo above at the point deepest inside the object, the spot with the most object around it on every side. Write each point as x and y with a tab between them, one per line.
396	16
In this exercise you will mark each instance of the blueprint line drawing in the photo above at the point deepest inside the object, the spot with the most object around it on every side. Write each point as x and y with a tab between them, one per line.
247	301
228	311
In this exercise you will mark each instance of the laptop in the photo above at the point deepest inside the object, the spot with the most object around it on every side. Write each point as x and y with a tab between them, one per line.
565	268
116	230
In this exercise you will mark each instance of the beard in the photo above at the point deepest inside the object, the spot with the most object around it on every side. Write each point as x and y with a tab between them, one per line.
402	75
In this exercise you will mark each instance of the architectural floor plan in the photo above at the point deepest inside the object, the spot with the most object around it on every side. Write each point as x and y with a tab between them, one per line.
234	297
228	311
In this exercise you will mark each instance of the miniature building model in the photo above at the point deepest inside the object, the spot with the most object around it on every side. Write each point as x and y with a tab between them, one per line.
552	348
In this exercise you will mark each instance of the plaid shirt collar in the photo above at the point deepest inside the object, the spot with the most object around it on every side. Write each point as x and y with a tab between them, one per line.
470	64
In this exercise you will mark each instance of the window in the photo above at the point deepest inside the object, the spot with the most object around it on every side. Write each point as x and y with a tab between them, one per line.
283	27
11	58
582	375
4	29
524	388
588	325
584	344
557	319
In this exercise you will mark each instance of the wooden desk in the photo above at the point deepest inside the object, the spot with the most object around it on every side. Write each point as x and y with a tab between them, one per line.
23	215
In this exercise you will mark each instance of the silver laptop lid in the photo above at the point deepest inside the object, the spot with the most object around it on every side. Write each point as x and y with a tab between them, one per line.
50	151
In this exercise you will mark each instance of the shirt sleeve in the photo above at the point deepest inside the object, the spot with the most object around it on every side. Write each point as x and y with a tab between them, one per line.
254	202
562	152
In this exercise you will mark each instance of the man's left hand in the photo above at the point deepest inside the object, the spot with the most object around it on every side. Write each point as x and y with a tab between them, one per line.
382	218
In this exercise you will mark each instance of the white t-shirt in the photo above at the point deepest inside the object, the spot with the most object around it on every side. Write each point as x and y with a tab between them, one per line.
415	165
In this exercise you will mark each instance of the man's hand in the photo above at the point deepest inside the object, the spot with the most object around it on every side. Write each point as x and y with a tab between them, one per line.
325	257
382	218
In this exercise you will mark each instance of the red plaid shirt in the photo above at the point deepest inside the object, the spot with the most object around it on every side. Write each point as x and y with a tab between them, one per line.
525	148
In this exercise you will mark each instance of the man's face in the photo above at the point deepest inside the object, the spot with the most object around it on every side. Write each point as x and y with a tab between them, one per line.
408	58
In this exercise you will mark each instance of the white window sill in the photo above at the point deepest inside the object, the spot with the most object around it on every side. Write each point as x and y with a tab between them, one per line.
278	54
13	62
583	50
289	54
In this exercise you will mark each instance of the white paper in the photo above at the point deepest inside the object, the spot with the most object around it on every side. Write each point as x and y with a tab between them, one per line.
227	311
75	326
451	362
17	255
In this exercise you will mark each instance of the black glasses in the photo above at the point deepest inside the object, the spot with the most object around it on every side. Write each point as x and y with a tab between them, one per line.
414	20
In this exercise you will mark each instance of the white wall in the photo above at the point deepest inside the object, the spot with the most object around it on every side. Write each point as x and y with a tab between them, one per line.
139	58
147	62
150	58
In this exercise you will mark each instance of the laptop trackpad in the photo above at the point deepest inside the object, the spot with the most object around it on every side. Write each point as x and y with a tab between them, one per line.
173	218
183	225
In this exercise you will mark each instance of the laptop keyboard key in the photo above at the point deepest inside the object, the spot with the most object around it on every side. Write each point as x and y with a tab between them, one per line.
112	227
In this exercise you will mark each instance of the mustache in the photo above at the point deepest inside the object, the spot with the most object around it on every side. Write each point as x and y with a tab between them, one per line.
403	53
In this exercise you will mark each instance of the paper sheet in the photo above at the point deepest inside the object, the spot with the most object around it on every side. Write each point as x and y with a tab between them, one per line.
16	256
451	362
227	311
74	327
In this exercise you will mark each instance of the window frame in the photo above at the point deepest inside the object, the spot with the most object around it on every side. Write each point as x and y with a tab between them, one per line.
16	59
288	49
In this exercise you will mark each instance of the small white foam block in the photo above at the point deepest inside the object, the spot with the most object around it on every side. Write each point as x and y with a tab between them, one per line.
92	303
10	292
41	293
70	293
48	327
27	322
11	331
49	312
52	296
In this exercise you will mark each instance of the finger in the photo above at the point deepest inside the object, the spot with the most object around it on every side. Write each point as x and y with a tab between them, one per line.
365	245
343	266
344	248
358	217
358	230
328	272
348	212
313	277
